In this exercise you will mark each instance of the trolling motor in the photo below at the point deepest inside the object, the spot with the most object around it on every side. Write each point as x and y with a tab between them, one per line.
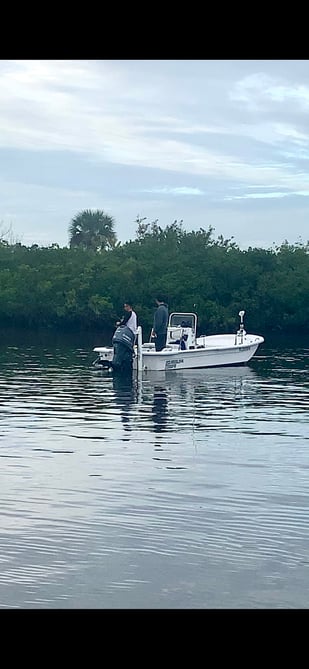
241	332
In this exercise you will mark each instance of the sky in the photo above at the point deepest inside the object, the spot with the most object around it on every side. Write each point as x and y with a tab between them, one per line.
210	142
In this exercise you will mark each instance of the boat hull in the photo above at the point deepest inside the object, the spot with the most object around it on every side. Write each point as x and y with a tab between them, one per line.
210	356
212	351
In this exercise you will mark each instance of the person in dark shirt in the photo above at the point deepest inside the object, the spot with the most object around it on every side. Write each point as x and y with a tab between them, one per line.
159	330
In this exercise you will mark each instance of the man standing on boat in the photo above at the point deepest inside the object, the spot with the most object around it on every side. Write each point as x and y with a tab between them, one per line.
129	319
159	330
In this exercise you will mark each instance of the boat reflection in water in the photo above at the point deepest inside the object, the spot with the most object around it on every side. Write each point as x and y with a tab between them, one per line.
125	397
160	409
163	402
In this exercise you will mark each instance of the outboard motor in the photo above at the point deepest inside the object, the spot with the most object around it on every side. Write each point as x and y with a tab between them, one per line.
123	343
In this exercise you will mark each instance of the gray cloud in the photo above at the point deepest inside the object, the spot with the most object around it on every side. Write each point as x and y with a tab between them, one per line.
110	133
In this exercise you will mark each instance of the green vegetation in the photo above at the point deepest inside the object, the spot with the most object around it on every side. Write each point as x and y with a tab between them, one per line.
84	286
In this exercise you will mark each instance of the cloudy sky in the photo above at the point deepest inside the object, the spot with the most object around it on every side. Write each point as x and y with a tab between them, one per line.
213	142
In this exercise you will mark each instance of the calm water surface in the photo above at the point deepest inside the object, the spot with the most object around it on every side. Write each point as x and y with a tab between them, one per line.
185	490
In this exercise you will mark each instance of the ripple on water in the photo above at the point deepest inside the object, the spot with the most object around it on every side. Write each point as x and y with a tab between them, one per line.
182	490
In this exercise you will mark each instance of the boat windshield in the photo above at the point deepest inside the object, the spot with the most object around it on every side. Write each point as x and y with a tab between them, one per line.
182	320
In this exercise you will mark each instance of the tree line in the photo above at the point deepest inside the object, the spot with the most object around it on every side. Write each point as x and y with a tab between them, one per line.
83	286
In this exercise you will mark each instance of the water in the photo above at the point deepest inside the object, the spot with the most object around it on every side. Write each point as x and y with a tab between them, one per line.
189	490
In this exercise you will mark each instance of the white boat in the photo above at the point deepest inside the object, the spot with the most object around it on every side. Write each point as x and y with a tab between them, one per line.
184	350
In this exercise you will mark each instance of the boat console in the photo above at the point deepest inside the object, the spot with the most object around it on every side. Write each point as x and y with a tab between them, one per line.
181	330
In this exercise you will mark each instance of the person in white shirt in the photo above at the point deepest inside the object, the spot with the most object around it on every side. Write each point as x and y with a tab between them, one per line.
129	319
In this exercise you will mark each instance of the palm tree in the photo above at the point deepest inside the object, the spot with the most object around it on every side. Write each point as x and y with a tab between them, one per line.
92	230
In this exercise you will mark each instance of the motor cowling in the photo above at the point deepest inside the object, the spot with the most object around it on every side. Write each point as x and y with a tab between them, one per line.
123	335
123	342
